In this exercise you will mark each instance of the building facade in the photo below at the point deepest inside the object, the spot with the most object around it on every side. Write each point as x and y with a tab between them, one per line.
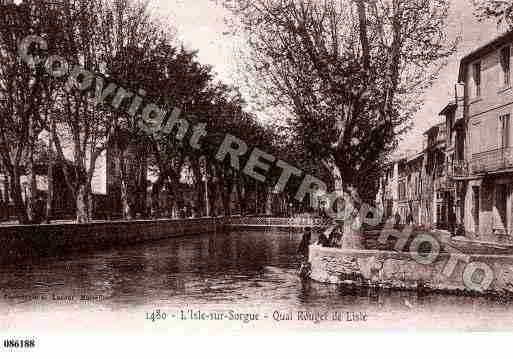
415	185
487	182
437	191
466	176
409	186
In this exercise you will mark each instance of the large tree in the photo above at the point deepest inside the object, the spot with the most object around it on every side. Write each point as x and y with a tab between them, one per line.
499	10
351	74
23	96
175	80
137	43
101	36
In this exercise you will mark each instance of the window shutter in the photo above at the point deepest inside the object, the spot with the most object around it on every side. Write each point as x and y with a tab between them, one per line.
506	130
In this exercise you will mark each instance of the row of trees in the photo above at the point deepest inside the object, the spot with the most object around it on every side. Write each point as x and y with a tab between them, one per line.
346	75
89	33
122	42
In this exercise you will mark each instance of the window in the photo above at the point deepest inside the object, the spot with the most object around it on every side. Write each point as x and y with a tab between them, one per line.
476	74
476	140
475	208
505	65
504	130
402	191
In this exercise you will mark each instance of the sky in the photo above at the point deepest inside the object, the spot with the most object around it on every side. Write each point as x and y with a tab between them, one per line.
200	25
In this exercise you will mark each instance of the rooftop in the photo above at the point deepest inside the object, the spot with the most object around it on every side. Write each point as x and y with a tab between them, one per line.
432	128
451	106
491	46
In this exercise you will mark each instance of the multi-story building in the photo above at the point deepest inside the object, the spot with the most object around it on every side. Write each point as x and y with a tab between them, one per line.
410	185
389	187
455	165
437	189
467	160
484	136
416	183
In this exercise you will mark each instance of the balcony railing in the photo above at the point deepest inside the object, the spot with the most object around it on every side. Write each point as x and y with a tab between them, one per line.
494	160
274	221
458	168
444	184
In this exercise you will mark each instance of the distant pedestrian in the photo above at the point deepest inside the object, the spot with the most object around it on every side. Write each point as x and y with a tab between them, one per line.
305	243
397	218
452	221
409	219
39	211
303	249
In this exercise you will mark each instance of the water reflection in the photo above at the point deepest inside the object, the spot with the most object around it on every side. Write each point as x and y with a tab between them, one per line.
241	269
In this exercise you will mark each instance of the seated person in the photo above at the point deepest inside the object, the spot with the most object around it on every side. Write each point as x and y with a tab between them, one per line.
335	237
323	240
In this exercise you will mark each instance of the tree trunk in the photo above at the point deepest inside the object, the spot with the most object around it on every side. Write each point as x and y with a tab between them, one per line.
241	197
227	211
49	196
171	203
175	209
126	208
255	198
5	198
21	211
155	197
133	181
348	211
51	164
269	202
126	211
353	236
141	188
213	191
127	192
226	191
197	201
207	196
31	188
82	204
90	203
213	199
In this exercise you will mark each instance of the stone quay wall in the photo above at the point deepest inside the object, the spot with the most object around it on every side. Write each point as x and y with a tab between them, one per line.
22	242
34	241
400	270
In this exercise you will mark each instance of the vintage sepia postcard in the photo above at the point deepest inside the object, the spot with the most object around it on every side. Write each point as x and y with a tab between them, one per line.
254	166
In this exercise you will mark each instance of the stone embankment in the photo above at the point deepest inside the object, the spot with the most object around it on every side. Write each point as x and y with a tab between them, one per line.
391	260
403	270
35	241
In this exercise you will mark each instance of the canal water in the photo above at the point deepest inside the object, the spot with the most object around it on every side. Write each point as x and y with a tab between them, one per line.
238	273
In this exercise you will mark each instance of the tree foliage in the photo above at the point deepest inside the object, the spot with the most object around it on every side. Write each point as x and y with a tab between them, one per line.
23	100
499	10
350	73
122	44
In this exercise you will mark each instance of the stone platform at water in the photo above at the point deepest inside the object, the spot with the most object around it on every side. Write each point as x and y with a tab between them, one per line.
400	270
